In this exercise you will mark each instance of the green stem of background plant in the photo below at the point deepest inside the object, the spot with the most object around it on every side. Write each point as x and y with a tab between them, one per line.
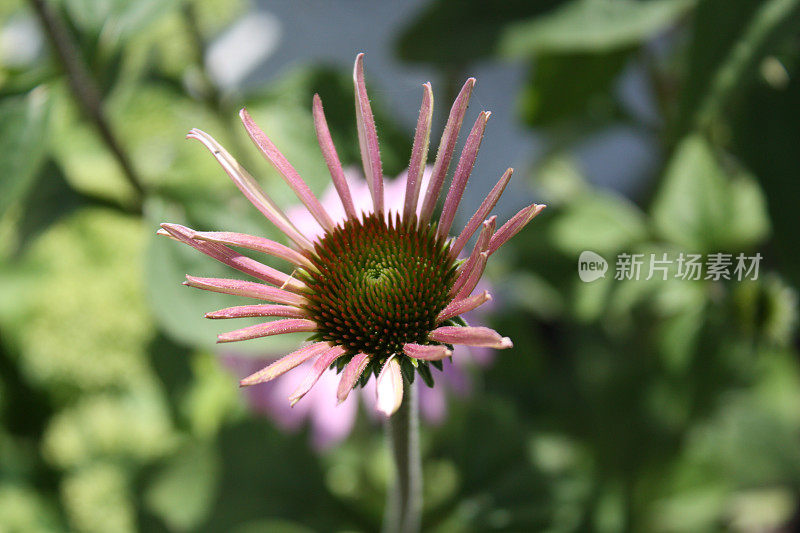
84	89
404	501
769	20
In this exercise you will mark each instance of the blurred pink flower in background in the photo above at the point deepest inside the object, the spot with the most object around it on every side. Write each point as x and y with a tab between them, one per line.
330	423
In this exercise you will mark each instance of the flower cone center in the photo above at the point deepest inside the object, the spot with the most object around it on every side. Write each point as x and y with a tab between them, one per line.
379	285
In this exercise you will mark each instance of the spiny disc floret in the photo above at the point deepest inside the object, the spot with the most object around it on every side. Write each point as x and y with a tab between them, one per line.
379	285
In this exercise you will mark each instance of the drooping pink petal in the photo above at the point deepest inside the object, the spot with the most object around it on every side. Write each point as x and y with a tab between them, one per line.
445	150
389	388
462	173
368	136
284	364
426	352
258	310
464	305
481	246
332	158
350	375
247	184
419	153
286	170
473	276
277	327
320	365
483	211
229	257
257	244
247	289
513	226
471	336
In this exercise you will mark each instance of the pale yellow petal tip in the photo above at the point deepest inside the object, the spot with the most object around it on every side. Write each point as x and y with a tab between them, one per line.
253	379
505	342
389	410
389	388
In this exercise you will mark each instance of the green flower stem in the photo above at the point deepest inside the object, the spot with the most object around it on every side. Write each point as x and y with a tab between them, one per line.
404	502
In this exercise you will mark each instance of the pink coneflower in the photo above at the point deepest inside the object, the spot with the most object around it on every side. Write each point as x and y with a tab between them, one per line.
330	421
382	292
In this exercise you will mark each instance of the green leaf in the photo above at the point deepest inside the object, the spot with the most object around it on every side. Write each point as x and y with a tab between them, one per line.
99	498
183	491
706	206
265	473
425	373
272	526
116	18
24	508
133	427
592	26
728	40
498	487
50	200
90	264
471	31
602	222
766	135
561	86
213	394
23	124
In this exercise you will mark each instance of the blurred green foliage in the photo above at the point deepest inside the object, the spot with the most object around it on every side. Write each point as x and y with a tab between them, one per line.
625	406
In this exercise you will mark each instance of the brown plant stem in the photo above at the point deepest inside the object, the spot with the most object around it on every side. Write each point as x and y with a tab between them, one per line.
83	86
211	95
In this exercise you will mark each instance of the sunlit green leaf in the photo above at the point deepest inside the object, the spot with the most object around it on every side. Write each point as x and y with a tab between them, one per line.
22	508
706	205
182	491
601	222
97	499
96	335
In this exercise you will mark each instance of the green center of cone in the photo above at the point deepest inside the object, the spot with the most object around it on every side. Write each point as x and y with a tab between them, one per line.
379	285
